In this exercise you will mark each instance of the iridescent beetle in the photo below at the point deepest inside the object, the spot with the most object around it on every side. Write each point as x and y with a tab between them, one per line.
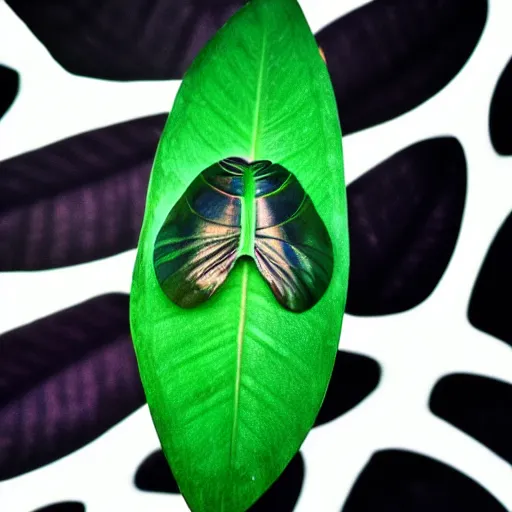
234	209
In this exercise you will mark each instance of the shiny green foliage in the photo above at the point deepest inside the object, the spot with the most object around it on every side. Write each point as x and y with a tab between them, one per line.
234	382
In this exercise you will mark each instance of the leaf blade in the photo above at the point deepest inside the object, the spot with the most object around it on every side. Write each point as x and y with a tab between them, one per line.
195	366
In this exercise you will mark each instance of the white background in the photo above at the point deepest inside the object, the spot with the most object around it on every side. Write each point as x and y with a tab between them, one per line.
414	348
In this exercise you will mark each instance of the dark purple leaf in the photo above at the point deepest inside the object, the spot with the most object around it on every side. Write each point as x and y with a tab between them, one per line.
9	84
63	506
125	39
500	116
64	380
77	200
488	310
154	475
480	406
396	480
354	377
404	219
389	56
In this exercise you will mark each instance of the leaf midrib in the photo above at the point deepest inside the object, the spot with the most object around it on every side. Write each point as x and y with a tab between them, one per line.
245	268
239	342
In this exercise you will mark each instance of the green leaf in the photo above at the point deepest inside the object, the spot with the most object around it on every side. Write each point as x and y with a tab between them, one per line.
233	374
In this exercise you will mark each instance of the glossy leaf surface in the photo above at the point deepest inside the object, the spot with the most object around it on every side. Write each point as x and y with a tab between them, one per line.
235	382
235	209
